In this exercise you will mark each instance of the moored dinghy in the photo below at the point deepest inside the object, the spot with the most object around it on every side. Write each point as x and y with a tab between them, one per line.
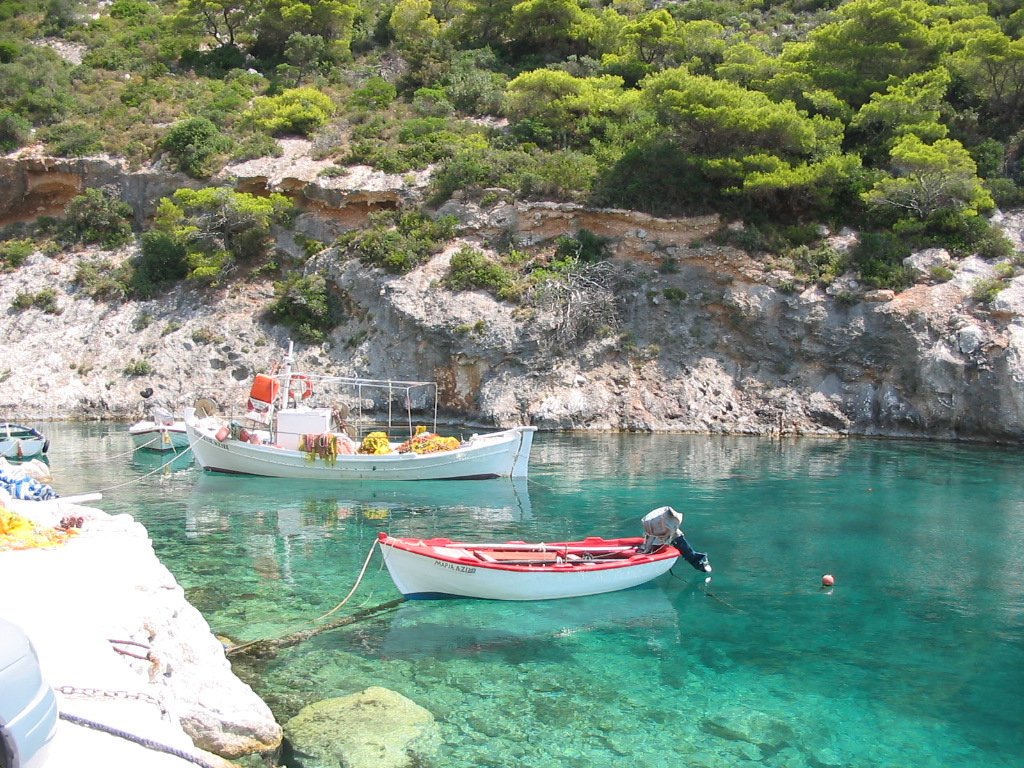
20	442
161	432
424	569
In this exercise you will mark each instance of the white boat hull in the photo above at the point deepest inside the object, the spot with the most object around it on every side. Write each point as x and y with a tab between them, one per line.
17	448
17	442
425	577
150	436
497	454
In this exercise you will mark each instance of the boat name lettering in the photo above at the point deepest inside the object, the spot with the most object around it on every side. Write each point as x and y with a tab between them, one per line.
455	566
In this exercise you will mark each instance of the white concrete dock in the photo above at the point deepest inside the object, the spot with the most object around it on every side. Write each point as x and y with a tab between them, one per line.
93	605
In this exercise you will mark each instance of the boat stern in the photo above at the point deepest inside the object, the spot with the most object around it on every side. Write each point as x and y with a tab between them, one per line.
520	466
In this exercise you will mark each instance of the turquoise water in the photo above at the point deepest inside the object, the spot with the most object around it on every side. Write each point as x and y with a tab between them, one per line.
914	658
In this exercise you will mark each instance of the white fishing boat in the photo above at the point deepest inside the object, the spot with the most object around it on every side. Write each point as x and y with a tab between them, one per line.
161	432
20	442
291	439
426	569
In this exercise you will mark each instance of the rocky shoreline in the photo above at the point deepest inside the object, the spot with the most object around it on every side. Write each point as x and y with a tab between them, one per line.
139	676
711	339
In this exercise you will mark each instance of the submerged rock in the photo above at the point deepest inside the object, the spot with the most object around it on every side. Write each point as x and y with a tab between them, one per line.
375	728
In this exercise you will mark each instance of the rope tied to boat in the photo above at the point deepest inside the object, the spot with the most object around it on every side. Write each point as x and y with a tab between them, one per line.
177	455
268	645
355	586
140	740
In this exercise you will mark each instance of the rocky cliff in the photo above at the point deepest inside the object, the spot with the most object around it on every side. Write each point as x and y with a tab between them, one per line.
720	343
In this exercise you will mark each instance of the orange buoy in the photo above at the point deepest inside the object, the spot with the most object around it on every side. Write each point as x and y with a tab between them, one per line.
827	580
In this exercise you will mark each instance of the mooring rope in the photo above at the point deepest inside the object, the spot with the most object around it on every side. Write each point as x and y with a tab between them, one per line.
177	455
355	586
706	590
291	638
106	459
140	740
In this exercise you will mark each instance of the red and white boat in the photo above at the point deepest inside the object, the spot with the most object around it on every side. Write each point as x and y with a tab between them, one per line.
425	569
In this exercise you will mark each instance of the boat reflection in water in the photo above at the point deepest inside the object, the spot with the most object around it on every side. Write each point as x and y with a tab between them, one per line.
312	510
442	629
281	519
500	500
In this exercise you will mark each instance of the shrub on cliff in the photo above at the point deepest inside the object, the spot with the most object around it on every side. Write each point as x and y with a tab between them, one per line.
878	257
295	111
101	280
584	247
305	305
36	84
13	253
210	229
409	145
15	130
46	300
530	172
162	259
399	241
73	138
195	144
377	93
471	269
98	217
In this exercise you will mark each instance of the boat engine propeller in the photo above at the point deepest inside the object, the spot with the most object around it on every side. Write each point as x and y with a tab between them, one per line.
663	526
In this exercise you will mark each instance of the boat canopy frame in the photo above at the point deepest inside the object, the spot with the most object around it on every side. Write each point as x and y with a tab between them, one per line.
396	388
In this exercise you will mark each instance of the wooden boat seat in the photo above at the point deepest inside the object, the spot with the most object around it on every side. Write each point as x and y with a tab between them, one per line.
453	552
516	558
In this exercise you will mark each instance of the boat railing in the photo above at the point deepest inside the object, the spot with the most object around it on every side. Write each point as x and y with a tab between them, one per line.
359	406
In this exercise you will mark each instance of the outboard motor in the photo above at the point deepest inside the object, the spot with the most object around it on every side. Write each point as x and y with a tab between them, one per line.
663	526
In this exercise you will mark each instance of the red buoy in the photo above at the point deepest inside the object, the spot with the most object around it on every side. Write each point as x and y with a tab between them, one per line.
827	580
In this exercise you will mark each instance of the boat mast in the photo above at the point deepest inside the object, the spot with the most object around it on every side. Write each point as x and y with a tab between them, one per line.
286	378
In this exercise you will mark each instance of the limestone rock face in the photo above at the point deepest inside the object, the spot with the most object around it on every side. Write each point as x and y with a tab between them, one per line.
32	185
708	338
375	728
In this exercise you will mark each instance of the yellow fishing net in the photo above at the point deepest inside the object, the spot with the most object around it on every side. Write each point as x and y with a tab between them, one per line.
375	443
18	532
425	442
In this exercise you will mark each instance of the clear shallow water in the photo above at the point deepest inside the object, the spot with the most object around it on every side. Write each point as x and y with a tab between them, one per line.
915	658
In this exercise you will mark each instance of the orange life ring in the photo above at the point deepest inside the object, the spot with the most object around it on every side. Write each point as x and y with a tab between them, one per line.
300	387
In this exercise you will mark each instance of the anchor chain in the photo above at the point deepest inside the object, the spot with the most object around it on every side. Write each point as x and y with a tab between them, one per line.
98	693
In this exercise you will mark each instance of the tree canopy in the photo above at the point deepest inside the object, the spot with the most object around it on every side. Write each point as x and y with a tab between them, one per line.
859	111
